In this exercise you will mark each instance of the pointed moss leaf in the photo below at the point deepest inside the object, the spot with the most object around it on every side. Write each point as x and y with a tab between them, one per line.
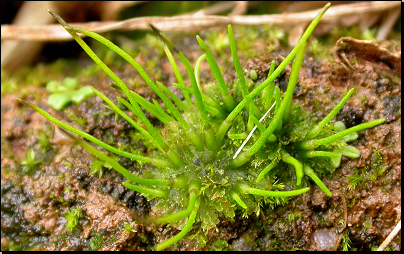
218	193
72	217
96	167
58	100
81	94
208	217
351	152
300	123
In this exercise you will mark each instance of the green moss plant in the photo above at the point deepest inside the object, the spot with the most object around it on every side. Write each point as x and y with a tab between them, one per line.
199	168
72	217
30	163
96	241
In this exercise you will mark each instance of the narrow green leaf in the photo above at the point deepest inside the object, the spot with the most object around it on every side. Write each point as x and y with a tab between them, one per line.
234	195
236	61
245	189
127	118
227	98
184	231
237	110
177	101
286	157
310	172
161	193
316	130
156	162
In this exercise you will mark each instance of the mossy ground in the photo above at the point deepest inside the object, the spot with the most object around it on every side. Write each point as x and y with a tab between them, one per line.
33	204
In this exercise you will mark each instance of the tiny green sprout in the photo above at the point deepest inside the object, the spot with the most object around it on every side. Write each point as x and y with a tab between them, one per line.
355	179
72	217
220	245
30	163
377	171
97	168
43	140
228	146
129	226
77	119
369	35
377	163
294	216
96	241
275	36
64	93
345	242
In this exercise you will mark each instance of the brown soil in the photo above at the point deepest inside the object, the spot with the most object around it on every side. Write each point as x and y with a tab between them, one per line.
33	205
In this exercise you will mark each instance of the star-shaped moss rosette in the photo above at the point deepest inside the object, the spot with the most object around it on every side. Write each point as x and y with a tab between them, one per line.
227	146
65	92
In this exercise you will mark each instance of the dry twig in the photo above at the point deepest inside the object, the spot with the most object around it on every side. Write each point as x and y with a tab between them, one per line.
191	23
390	237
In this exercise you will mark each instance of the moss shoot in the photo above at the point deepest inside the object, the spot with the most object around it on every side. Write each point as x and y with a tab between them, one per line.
226	145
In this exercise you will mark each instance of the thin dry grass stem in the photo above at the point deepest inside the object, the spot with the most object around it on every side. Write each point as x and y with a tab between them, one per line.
390	237
220	7
388	24
191	23
345	210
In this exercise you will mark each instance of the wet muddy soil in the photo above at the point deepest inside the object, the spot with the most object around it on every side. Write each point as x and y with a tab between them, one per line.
38	191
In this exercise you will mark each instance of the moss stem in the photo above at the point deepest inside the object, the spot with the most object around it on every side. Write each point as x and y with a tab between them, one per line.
118	168
211	105
177	216
312	154
278	128
270	166
268	92
154	192
234	195
316	130
149	107
245	189
227	98
170	94
127	118
310	172
197	68
184	231
176	72
236	61
286	157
